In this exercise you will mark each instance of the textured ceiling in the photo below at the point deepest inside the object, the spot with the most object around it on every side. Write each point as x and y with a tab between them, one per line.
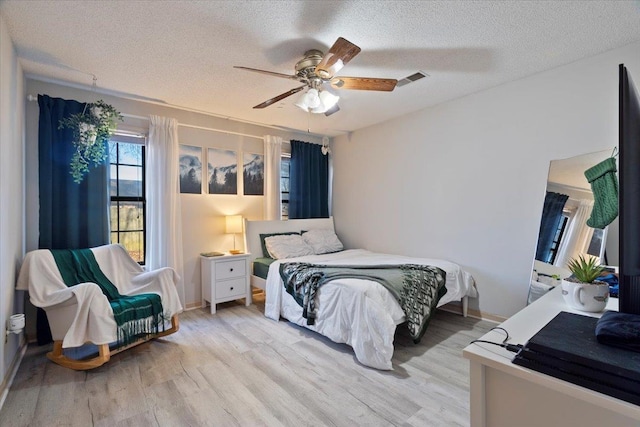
182	52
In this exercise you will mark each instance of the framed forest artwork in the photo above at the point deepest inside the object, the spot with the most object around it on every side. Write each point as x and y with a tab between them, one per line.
190	169
253	174
222	171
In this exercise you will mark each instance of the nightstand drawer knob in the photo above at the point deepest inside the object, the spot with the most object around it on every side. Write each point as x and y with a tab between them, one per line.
231	288
231	269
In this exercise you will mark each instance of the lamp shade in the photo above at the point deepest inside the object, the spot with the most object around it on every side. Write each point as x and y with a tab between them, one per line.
233	224
309	100
312	98
300	103
328	99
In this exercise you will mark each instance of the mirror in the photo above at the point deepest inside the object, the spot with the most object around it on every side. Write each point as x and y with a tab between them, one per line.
563	231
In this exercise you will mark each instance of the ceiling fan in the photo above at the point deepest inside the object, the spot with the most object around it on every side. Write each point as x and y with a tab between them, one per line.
317	71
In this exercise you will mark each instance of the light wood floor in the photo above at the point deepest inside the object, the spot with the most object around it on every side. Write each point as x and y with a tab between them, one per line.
238	368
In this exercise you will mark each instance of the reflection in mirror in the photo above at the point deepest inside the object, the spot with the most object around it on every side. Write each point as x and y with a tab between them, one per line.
563	233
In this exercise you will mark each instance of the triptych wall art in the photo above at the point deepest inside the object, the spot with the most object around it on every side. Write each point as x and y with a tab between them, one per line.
253	174
221	174
190	169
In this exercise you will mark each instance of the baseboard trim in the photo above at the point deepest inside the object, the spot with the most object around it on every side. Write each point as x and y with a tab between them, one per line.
13	370
476	314
193	306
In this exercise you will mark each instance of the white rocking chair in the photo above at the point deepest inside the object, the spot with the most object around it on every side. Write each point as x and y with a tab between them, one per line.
81	314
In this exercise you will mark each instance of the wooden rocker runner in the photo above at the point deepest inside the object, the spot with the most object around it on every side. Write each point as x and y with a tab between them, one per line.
104	352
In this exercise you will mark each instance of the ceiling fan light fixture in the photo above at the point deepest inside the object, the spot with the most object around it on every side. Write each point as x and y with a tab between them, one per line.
316	102
300	103
328	99
312	98
309	100
319	109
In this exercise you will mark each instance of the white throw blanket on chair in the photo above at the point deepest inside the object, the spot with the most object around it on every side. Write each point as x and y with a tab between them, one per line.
93	321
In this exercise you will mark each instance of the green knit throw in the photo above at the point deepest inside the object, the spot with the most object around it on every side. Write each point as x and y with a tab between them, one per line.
604	185
137	316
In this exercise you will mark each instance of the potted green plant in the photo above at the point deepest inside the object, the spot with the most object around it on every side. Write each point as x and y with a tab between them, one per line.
582	290
91	132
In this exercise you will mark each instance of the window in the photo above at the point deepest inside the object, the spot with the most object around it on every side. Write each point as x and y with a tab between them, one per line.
285	162
597	243
557	238
127	191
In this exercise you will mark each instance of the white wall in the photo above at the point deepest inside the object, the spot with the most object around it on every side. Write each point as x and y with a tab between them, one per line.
465	180
202	222
11	195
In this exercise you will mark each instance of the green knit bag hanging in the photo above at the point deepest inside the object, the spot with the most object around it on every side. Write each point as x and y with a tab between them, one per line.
604	184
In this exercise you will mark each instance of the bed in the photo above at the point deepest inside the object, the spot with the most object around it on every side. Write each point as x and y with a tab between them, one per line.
361	313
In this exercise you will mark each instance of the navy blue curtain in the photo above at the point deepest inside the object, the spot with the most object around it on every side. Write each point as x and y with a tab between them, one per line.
309	181
551	217
72	215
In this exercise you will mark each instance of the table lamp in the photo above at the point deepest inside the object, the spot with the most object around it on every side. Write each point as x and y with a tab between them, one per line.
234	226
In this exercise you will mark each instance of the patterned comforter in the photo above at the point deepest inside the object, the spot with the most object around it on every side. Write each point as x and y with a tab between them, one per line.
417	288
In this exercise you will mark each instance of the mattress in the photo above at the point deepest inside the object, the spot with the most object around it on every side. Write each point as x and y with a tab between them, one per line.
361	313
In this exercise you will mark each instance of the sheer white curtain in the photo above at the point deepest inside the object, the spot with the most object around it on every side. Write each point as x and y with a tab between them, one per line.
164	219
272	154
578	235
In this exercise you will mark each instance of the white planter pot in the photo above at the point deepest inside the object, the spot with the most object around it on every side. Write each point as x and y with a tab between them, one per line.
87	134
591	297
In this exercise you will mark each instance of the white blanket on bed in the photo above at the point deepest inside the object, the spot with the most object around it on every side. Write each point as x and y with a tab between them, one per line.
94	320
361	313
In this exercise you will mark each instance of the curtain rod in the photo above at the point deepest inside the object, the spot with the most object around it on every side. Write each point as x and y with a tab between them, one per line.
133	116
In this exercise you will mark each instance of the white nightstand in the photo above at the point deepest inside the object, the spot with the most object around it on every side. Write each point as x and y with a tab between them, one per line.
225	278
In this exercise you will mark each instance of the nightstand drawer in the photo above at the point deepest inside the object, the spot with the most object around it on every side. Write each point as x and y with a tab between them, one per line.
230	269
232	287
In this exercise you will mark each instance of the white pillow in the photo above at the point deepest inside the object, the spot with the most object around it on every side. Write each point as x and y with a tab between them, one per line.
323	241
287	246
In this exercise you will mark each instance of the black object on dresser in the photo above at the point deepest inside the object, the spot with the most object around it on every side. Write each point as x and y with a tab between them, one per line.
567	348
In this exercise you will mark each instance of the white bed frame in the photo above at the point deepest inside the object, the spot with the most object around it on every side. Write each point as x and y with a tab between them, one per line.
253	229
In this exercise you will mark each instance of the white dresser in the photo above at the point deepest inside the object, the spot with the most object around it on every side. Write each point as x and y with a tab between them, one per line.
504	394
225	278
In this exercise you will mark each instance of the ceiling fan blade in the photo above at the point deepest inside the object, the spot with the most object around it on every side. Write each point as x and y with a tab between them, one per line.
338	55
332	110
270	73
364	83
279	97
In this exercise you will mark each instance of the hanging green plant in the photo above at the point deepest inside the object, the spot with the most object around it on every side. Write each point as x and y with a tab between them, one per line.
91	132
